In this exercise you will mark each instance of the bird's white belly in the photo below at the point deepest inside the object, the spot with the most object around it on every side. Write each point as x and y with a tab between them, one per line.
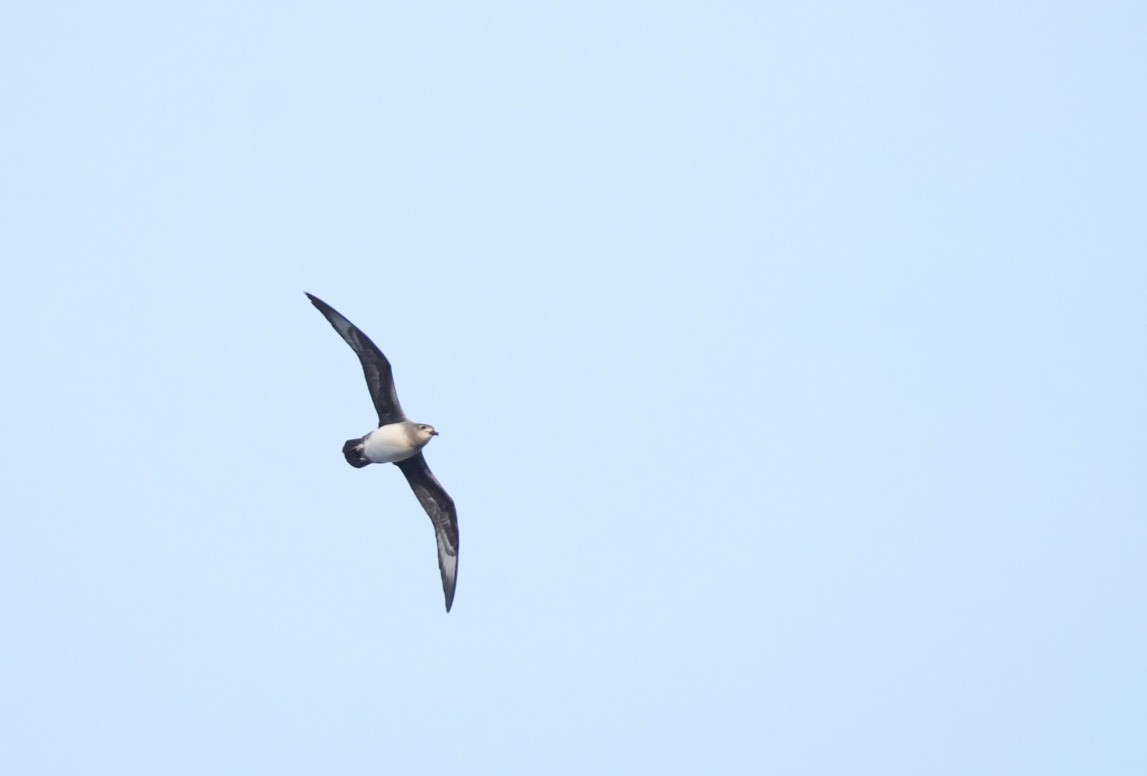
389	443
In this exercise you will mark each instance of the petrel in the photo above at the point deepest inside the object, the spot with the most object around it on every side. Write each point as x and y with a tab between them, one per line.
399	441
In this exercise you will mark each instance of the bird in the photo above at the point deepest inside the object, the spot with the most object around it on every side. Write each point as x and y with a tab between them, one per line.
399	441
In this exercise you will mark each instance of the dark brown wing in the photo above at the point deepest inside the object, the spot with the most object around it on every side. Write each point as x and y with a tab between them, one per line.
440	507
375	367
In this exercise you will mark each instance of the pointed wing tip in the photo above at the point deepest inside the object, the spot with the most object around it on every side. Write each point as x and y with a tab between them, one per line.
449	582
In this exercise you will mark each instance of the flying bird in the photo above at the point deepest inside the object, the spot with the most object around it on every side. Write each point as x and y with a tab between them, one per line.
399	441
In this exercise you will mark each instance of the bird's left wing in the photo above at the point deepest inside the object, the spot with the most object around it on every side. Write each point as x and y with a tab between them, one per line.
440	507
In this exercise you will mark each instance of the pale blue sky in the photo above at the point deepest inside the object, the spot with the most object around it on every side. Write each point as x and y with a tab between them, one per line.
788	358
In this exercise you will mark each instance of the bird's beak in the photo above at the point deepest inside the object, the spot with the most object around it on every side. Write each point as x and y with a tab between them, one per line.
433	433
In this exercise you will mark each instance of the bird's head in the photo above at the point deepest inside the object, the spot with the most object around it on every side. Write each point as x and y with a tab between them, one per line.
424	431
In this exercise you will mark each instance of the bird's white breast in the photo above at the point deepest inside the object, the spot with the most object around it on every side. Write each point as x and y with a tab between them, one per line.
389	443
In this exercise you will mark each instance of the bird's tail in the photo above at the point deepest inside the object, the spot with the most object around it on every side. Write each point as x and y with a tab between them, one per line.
354	454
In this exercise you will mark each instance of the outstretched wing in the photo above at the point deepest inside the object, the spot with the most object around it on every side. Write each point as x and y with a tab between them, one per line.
375	367
440	507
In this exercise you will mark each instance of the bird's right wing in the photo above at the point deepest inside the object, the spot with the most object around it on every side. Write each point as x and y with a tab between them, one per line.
375	367
438	504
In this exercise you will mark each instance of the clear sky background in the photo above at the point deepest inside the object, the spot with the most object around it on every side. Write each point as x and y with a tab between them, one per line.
788	360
